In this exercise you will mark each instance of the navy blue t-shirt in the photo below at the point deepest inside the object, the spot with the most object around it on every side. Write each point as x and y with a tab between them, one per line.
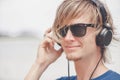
109	75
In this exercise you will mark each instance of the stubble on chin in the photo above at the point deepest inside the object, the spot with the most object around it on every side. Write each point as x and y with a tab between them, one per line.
73	58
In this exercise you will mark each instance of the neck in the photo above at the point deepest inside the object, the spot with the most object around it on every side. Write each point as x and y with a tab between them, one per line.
85	67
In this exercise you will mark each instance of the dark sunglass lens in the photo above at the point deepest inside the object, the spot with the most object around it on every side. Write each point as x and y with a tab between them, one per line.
63	31
78	30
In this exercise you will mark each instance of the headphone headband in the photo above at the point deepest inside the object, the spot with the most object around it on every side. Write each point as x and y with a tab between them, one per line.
103	12
105	36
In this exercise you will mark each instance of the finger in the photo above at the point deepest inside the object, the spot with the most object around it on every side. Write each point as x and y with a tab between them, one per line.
49	35
46	42
48	30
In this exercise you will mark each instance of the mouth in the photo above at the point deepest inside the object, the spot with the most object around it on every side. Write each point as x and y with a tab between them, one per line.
72	47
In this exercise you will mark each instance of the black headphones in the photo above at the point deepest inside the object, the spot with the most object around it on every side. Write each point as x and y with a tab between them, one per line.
105	36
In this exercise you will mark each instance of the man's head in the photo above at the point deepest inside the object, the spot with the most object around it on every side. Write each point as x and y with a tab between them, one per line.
81	13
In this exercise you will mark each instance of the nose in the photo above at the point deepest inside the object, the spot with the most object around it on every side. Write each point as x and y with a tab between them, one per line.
69	35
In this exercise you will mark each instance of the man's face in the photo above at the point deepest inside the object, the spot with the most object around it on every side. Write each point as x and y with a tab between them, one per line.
80	47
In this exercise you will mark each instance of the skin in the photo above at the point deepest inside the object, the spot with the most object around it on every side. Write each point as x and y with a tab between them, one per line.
83	51
45	56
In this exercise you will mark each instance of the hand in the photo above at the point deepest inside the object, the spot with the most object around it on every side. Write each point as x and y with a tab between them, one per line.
46	52
46	55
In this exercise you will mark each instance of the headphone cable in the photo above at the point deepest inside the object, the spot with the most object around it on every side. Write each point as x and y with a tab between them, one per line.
91	73
68	70
95	67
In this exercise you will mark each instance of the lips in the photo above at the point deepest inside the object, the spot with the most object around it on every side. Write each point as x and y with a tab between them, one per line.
72	47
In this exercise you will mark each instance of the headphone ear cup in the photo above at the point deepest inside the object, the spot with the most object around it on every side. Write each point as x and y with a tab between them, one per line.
104	37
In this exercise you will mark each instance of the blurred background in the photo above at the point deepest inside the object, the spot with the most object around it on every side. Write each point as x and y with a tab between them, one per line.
22	25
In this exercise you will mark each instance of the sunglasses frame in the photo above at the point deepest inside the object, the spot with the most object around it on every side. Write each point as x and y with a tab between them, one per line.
74	29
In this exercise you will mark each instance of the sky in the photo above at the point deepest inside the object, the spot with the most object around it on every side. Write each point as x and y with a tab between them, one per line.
37	15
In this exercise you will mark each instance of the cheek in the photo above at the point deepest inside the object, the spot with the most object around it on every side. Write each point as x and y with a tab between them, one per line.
90	41
90	37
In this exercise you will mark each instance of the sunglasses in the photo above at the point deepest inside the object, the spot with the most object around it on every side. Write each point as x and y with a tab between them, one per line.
78	30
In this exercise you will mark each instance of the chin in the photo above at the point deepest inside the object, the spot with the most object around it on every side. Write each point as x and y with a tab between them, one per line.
73	57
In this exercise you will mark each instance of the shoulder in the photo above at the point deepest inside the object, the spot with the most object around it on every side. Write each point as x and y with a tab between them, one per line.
67	78
109	75
115	75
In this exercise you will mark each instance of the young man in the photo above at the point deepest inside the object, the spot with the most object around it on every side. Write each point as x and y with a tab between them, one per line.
84	29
